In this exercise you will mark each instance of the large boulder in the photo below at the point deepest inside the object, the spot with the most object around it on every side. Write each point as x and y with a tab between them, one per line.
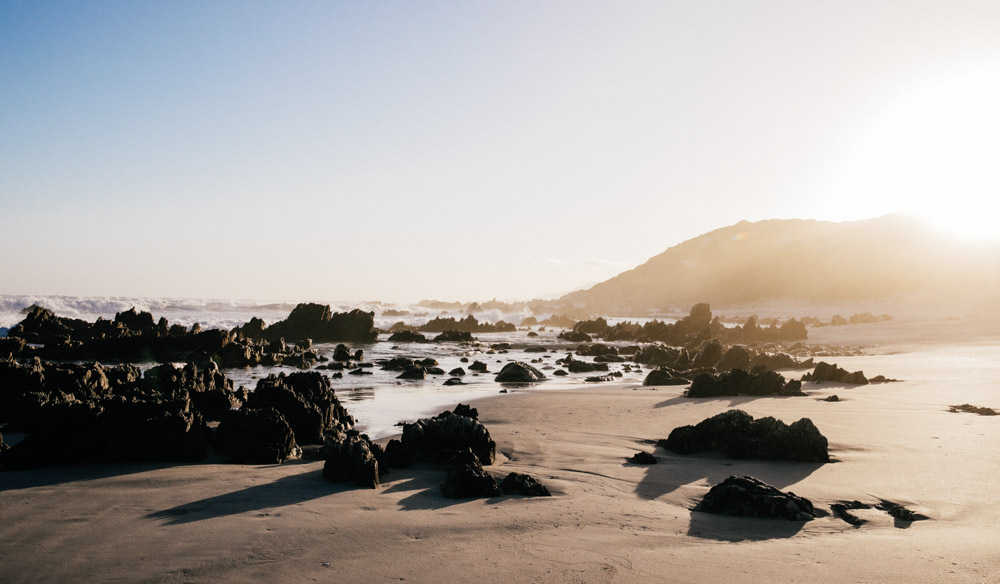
319	323
210	391
709	355
306	400
435	438
595	350
737	434
519	372
351	458
750	497
577	366
657	355
470	481
830	372
740	382
42	326
736	357
575	337
255	436
407	336
454	337
524	485
664	377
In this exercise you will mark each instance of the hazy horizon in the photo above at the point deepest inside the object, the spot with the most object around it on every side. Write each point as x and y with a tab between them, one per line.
464	152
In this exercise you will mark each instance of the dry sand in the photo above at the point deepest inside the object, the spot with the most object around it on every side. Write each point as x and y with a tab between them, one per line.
608	521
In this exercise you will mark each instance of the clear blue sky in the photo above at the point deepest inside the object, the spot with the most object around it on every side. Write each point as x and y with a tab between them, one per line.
465	150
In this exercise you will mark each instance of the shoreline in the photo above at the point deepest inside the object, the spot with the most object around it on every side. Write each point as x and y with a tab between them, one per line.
607	521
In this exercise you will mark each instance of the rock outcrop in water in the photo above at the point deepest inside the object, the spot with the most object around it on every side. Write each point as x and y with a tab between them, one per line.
319	323
136	337
469	324
519	372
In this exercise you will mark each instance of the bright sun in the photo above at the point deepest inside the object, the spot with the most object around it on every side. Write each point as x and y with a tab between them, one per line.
936	155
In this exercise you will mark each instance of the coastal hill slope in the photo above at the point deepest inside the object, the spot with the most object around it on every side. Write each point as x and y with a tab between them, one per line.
889	259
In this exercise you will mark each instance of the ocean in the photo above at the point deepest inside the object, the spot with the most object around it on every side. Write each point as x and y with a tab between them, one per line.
378	401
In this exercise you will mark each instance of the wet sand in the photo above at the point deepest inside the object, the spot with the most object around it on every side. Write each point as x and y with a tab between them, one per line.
608	520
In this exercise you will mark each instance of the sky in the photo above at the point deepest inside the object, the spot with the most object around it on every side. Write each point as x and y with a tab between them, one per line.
468	150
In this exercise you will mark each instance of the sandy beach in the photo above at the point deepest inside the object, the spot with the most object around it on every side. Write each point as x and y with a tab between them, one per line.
607	521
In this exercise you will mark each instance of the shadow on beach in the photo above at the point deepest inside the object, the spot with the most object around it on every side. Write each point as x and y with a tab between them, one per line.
285	491
62	474
674	471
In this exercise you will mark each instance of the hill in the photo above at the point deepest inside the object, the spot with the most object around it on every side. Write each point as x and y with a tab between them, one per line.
804	262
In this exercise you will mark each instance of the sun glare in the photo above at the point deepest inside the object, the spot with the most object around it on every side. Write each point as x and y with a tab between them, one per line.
936	155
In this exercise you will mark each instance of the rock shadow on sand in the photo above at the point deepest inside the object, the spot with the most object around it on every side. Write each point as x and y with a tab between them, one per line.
57	475
674	471
287	490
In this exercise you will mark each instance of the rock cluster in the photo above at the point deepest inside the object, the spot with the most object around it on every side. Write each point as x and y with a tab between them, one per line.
736	434
741	382
830	372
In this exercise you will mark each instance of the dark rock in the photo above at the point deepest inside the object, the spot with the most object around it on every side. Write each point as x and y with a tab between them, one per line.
350	458
737	357
431	438
11	347
255	436
467	411
454	381
478	366
750	497
657	355
396	456
536	349
592	327
457	371
832	398
519	372
559	373
737	435
407	337
470	481
739	382
709	355
469	324
317	322
663	377
596	349
524	485
254	329
359	371
307	401
341	353
455	337
577	366
600	378
575	337
413	373
772	361
830	372
642	457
